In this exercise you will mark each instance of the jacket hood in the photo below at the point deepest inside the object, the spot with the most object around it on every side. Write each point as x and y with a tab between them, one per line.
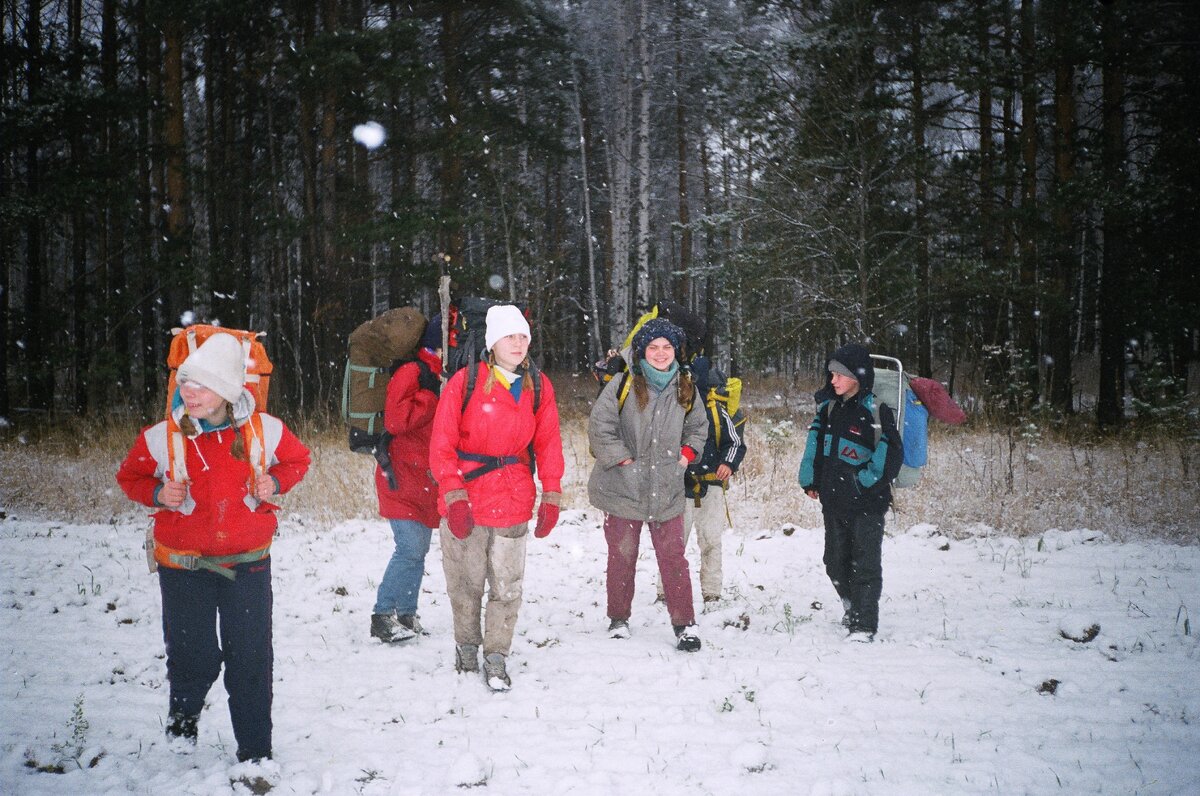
857	358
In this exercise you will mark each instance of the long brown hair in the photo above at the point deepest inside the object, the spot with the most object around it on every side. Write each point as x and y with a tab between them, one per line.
188	427
683	393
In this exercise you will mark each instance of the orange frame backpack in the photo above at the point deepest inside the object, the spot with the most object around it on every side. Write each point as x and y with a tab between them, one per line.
186	340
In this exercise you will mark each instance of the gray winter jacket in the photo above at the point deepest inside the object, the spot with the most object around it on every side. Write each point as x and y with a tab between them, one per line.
650	488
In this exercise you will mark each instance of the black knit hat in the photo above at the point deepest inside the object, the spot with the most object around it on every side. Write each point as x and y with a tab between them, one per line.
432	338
652	330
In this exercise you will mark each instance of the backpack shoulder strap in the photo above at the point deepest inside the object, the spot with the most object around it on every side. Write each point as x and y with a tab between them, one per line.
469	387
255	442
714	411
176	453
872	404
623	391
423	367
535	375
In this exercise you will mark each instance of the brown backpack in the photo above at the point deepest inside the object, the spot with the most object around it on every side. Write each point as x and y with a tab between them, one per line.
374	347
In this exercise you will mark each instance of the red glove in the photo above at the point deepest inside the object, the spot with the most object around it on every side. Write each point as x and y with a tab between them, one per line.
547	517
458	517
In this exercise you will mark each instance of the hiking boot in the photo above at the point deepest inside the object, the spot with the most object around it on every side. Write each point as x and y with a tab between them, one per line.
495	673
182	727
712	598
861	636
413	623
686	638
387	628
618	628
466	658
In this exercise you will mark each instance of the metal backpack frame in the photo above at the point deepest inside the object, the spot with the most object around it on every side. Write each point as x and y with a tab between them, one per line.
908	476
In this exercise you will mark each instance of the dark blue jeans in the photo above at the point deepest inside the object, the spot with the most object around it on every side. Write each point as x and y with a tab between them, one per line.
854	563
192	602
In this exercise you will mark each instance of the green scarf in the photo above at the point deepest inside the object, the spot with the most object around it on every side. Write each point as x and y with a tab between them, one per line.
658	379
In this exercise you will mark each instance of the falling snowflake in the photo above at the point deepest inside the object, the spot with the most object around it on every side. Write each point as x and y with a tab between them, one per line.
369	134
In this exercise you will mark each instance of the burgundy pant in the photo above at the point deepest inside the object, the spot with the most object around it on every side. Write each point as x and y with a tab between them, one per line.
622	536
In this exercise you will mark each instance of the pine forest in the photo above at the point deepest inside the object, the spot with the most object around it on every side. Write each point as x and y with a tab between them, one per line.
1003	193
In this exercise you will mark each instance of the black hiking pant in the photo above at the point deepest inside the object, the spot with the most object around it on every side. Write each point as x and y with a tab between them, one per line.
192	601
854	563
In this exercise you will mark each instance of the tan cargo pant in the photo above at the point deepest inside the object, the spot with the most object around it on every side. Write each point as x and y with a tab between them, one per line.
711	523
491	556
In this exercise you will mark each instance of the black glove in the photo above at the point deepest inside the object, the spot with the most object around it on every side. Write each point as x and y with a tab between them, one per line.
428	380
383	456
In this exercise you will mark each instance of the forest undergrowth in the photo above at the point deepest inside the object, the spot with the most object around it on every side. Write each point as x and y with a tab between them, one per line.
982	478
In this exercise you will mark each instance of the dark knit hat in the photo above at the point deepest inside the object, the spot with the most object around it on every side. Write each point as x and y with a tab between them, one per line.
432	337
652	330
838	367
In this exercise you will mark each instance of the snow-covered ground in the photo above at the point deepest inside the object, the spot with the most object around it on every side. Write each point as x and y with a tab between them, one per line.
957	696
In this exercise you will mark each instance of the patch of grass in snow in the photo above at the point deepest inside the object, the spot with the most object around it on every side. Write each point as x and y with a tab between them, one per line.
790	620
71	752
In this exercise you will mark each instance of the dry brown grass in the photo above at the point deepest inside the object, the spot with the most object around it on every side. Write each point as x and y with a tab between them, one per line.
978	481
976	484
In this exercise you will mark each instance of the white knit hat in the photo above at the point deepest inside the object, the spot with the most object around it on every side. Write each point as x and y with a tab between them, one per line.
503	320
218	364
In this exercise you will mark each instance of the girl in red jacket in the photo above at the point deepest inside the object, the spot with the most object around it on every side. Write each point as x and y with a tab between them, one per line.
212	538
480	458
408	494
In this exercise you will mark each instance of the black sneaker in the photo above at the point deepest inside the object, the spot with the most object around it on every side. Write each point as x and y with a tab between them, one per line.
182	727
413	623
686	638
388	629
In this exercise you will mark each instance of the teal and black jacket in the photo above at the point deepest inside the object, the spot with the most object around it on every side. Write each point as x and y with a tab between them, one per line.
849	461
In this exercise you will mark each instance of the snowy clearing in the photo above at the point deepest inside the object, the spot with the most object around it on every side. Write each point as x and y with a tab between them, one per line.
973	686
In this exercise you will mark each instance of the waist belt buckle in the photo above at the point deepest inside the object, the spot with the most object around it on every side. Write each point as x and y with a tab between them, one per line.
188	562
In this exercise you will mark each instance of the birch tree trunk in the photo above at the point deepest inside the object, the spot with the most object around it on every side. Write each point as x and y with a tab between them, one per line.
920	194
450	47
619	162
597	346
681	154
643	155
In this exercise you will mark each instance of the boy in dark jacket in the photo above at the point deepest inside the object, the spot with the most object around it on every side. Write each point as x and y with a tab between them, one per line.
706	480
850	460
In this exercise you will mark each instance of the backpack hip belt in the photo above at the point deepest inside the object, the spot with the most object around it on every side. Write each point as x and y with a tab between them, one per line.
489	463
192	561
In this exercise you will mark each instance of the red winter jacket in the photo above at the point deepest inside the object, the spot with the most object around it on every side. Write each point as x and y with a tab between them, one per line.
495	425
408	416
218	519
